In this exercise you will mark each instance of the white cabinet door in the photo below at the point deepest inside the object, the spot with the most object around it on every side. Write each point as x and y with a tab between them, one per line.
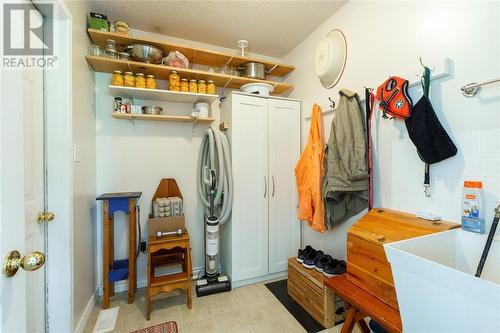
249	148
284	150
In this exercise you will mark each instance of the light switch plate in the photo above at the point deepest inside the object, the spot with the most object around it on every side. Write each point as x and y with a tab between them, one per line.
76	153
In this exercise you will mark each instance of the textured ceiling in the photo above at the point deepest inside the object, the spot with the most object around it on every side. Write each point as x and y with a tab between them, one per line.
272	28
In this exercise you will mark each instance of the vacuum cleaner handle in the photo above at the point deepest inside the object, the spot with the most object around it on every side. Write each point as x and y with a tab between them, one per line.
488	242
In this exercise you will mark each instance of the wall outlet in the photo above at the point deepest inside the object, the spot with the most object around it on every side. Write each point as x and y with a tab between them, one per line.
143	246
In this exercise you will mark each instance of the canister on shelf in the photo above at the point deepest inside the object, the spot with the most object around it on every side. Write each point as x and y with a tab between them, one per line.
117	78
202	87
129	79
174	81
184	85
210	87
140	80
110	45
193	86
150	82
111	54
117	107
95	50
124	55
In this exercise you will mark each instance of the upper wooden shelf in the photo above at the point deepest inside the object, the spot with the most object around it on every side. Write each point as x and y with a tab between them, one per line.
108	65
195	55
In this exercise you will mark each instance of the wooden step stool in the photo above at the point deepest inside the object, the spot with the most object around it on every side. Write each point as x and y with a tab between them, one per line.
166	251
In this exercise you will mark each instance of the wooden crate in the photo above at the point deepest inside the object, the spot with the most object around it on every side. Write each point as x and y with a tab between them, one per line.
306	287
367	265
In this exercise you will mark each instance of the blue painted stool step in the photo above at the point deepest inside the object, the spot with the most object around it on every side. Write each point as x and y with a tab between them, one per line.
119	271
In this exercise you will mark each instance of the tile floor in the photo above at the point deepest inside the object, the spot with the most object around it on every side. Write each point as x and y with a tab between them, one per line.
247	309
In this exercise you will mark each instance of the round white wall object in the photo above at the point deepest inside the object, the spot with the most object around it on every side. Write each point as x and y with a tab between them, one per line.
331	58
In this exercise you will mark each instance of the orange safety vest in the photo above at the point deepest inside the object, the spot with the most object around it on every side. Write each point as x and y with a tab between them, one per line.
394	99
308	174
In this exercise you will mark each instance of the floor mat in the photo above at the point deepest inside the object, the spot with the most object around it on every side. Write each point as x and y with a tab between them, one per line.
167	327
279	290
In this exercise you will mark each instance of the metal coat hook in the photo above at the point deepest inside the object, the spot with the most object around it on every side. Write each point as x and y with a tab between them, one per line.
332	105
421	63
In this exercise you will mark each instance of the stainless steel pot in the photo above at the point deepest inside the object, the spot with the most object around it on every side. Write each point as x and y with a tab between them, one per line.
254	70
152	109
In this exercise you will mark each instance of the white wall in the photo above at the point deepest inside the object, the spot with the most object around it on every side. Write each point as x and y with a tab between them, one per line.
134	156
84	172
387	38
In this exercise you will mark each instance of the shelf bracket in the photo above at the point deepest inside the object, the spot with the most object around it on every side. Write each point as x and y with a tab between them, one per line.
272	69
194	58
227	83
229	61
194	124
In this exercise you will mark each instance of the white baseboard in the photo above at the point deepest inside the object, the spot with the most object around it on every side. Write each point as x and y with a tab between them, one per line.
82	322
121	286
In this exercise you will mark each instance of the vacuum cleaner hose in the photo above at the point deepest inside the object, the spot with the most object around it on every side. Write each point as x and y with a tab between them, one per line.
215	155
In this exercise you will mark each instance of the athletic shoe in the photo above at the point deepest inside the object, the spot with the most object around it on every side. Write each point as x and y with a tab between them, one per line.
310	261
302	253
336	267
320	264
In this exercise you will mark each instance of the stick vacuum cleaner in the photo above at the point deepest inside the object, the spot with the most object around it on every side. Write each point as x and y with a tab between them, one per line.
212	282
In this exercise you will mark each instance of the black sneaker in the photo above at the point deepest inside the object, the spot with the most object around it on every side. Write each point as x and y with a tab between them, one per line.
302	253
336	267
310	261
320	264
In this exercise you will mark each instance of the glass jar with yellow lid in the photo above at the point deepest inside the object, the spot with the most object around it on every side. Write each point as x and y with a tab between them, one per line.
117	78
129	79
184	85
174	81
140	80
202	87
210	87
150	82
193	86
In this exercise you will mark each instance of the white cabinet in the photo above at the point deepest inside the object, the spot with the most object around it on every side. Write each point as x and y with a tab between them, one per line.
263	231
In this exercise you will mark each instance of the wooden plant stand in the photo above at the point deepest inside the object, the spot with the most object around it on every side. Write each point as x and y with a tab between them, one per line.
117	270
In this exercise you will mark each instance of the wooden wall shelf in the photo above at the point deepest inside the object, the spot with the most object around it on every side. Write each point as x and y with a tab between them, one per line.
185	119
195	55
108	65
162	95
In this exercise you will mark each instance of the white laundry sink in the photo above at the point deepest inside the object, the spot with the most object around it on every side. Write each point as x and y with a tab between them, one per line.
436	287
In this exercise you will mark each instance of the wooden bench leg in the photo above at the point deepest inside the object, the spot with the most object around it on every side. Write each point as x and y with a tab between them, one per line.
349	321
105	255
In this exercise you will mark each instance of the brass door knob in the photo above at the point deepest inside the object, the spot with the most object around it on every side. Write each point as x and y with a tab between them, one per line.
30	262
45	217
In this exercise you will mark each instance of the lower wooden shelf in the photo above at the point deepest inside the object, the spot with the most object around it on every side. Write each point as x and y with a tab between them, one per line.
161	117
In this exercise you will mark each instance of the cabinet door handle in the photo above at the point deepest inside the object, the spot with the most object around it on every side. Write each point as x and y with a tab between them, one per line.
265	186
273	185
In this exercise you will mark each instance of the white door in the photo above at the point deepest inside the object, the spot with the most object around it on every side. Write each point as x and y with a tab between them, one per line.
23	191
249	149
284	150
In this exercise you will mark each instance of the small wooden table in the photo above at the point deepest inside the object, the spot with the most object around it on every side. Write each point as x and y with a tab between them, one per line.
178	251
363	304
